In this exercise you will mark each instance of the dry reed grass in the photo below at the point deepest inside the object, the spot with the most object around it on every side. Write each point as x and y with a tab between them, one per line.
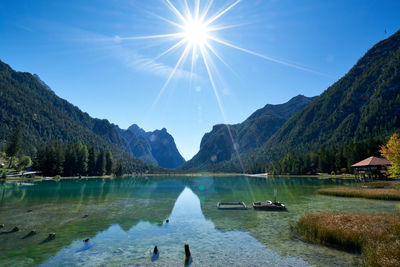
376	236
371	193
382	184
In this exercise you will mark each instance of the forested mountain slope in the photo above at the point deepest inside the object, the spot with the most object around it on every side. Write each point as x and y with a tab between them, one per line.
217	146
44	116
363	104
346	123
343	125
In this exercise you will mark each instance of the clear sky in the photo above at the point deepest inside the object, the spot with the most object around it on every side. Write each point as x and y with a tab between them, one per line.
89	54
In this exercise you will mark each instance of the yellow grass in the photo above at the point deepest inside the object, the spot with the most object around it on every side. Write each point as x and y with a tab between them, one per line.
372	193
382	184
376	236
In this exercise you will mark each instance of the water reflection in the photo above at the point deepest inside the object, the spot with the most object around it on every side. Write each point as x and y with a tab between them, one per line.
126	218
187	224
102	189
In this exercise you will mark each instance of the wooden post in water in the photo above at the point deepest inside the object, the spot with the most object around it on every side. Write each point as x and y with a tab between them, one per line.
51	236
187	251
187	255
33	232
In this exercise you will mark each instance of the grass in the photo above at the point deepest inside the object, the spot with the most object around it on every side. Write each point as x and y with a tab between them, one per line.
371	193
382	184
376	236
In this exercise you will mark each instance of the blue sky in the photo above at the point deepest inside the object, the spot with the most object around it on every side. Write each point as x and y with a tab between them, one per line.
82	50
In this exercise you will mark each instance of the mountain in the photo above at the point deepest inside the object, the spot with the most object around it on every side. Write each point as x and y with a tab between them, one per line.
363	104
217	146
157	147
138	145
28	101
344	125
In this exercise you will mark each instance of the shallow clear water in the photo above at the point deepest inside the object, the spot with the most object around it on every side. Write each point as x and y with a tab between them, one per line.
126	219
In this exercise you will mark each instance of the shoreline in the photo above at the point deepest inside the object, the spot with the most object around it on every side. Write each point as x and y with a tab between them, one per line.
322	176
199	174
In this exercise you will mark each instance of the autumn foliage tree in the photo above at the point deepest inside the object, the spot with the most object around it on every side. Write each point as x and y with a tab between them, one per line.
391	151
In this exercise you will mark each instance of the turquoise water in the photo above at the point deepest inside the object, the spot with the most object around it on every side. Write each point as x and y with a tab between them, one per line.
126	218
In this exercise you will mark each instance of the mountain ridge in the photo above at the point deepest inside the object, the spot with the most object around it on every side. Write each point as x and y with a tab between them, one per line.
216	146
345	123
362	105
156	147
367	96
44	116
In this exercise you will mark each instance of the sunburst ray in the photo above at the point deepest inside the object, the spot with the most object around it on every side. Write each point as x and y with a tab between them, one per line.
265	57
176	11
175	46
217	16
221	108
180	60
156	36
195	32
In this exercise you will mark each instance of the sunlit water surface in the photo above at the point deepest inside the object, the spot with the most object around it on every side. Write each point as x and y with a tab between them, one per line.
126	218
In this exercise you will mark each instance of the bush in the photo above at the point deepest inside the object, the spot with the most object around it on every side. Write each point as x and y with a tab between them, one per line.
24	162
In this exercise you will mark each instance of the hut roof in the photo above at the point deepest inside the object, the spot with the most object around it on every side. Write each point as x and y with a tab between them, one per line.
372	161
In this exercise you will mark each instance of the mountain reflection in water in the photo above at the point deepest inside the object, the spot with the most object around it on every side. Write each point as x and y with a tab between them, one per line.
125	218
187	224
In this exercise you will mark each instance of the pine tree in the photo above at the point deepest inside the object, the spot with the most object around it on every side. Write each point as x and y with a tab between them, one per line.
14	144
50	159
82	159
119	170
59	158
109	163
101	163
70	160
92	158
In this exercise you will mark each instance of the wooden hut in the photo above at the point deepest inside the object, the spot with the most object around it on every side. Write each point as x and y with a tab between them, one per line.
372	167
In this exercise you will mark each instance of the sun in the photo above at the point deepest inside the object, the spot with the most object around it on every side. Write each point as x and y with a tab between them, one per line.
196	29
196	32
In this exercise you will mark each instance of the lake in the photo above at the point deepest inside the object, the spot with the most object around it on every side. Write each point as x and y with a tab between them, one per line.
125	218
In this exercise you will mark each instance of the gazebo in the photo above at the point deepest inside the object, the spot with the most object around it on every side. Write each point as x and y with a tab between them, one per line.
372	167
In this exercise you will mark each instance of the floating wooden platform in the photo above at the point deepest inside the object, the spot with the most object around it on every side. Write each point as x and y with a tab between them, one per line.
231	206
